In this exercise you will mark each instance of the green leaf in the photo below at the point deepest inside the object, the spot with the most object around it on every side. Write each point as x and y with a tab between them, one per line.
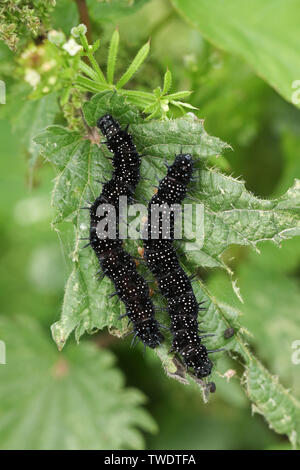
42	113
70	400
87	70
79	162
89	51
135	65
272	400
112	56
290	144
161	139
143	95
235	216
181	103
264	34
268	397
87	306
114	9
269	288
150	108
232	216
90	85
64	16
167	82
179	95
101	103
164	139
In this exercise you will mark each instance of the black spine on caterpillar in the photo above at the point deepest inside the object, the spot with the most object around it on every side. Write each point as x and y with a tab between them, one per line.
115	262
173	282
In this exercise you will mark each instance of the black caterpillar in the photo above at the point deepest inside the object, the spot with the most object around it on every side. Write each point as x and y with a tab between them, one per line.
173	282
115	262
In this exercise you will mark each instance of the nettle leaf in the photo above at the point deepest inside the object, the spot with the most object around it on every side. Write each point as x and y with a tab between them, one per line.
162	139
80	163
235	216
72	400
251	32
268	397
271	303
232	215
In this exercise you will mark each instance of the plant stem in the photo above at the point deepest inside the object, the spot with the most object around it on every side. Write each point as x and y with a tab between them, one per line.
84	17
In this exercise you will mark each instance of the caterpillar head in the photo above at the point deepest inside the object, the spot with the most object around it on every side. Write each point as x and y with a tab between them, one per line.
182	168
204	369
108	126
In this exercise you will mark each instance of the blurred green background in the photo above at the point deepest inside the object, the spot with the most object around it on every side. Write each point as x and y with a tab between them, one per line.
102	393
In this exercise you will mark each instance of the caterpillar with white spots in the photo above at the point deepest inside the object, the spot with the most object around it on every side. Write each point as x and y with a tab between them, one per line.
115	262
174	284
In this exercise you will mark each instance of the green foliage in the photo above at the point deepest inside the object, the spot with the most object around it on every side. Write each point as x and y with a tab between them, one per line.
80	164
64	16
112	56
156	104
232	216
235	216
75	400
254	32
42	112
271	302
290	142
20	19
59	66
36	262
110	10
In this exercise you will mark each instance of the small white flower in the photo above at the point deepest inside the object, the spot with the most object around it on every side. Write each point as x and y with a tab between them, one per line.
77	30
165	105
46	89
32	77
52	80
72	47
56	37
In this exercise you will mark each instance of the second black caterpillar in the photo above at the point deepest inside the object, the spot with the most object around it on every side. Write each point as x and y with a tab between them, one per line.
115	262
173	282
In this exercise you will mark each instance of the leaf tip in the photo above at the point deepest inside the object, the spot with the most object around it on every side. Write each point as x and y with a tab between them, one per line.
57	335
